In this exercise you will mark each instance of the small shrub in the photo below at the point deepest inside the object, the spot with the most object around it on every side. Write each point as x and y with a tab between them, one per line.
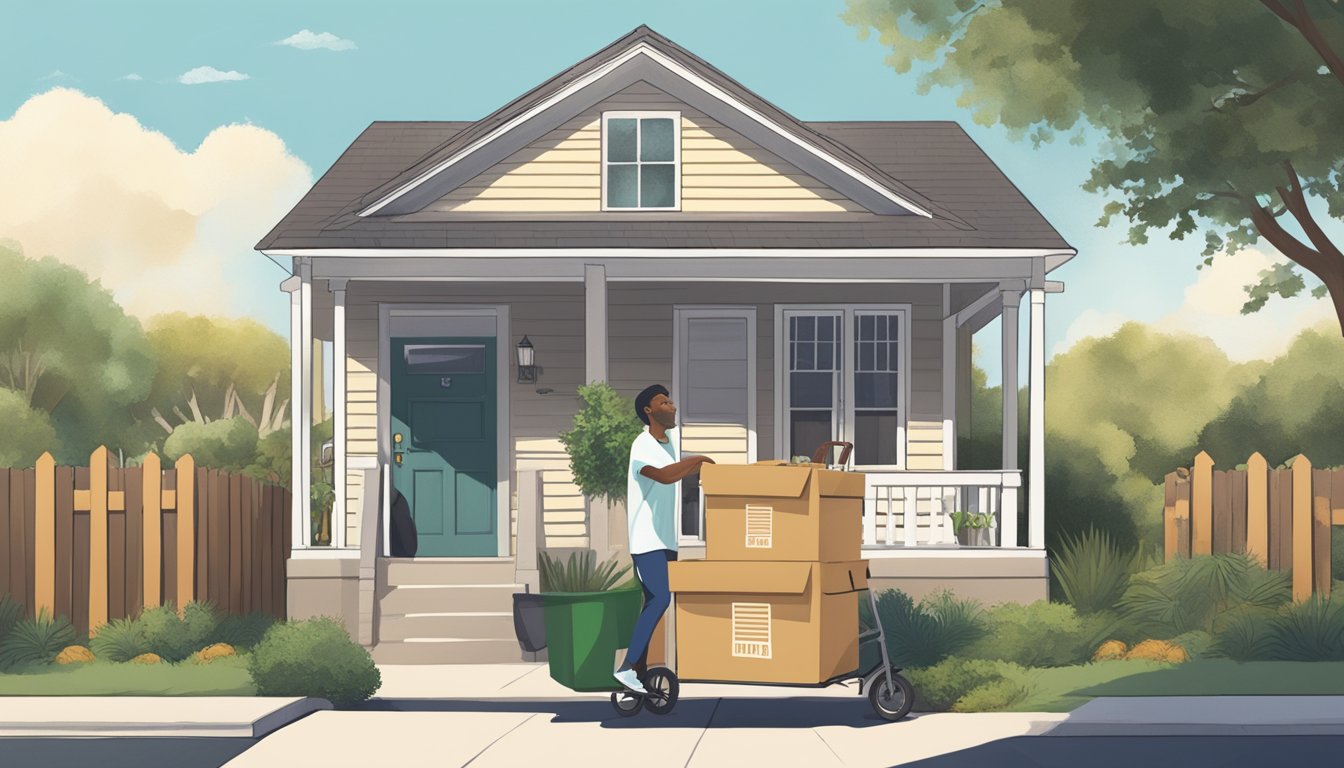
313	658
961	622
580	573
1157	650
216	651
74	654
1312	630
1245	634
1193	593
242	631
165	633
147	658
1091	571
120	640
1110	650
940	686
201	621
36	641
1038	635
10	613
1197	644
914	638
997	696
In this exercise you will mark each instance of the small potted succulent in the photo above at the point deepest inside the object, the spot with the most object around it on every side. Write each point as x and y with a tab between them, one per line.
973	529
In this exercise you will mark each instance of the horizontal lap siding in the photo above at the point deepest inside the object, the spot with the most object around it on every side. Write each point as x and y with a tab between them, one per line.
720	169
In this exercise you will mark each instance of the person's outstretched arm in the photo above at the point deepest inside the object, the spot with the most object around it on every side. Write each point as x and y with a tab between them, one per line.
674	472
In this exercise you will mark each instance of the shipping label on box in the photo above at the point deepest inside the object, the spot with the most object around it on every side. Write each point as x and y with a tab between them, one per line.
751	630
760	526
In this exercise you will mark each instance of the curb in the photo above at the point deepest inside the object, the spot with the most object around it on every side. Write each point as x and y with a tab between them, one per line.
189	717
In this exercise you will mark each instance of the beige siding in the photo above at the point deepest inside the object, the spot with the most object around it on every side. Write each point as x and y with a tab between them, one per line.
721	170
640	320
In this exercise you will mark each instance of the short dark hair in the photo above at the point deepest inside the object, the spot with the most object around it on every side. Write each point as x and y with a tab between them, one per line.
644	398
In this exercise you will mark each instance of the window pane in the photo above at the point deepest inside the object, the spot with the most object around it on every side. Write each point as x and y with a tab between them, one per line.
826	328
893	356
881	357
810	390
621	180
425	358
865	357
807	431
875	437
807	356
881	322
825	356
656	140
866	331
804	329
656	186
875	390
690	505
895	328
621	140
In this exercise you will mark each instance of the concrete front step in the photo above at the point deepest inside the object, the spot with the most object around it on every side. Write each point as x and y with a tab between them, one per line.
476	626
457	570
449	651
442	598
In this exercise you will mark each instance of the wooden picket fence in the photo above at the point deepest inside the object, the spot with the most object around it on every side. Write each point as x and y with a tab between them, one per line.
1282	517
98	543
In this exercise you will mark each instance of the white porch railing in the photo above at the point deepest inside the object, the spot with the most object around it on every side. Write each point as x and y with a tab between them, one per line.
914	509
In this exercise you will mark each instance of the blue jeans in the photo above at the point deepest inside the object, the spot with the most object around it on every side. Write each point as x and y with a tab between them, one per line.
651	568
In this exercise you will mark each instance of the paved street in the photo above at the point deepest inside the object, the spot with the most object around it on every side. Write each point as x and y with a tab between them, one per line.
120	752
1146	751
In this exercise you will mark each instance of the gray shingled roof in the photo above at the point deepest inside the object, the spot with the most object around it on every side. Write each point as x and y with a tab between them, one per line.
936	158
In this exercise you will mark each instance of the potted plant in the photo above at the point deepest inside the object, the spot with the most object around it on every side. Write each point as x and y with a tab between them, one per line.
580	574
973	529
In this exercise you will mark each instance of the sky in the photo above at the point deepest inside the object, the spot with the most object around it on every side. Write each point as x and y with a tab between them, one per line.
181	132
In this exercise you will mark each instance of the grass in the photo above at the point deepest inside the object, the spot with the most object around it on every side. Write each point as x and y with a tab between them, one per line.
222	677
1064	689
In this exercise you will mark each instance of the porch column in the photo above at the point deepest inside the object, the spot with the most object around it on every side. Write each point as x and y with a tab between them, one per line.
299	288
949	380
338	437
595	369
1036	427
1011	300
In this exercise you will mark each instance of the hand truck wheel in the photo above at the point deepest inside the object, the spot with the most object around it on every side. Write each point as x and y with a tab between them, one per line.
890	700
626	703
664	688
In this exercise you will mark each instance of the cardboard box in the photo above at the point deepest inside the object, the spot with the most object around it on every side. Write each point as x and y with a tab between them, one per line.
778	622
770	511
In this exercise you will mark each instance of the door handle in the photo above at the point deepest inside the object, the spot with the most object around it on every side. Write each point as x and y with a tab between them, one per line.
397	458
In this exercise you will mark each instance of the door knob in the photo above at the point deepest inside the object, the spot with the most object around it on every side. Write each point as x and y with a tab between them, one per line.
397	458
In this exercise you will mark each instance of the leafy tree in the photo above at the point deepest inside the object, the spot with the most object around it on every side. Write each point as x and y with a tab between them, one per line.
1221	117
217	369
599	444
28	431
69	352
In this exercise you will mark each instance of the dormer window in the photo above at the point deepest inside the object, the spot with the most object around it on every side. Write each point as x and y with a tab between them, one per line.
641	161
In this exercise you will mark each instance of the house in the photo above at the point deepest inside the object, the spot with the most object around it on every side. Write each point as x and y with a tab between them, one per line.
639	218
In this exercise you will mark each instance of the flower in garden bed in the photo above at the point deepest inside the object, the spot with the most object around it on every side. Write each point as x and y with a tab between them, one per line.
216	651
147	658
1109	650
74	654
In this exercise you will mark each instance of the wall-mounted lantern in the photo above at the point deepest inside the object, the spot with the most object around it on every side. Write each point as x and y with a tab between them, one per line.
528	370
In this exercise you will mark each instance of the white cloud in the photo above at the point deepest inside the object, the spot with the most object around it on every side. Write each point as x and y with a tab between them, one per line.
209	75
1090	323
57	74
307	40
164	229
1212	308
131	76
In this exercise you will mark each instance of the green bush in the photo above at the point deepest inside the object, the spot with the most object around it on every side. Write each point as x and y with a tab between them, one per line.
201	621
28	430
998	696
313	658
1091	571
1312	630
1042	634
580	573
165	633
242	631
36	641
119	640
1245	634
1192	593
599	444
1197	643
10	613
961	622
222	444
940	686
914	638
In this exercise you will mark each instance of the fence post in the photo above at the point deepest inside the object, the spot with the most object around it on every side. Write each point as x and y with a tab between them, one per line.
151	481
1320	532
1170	538
186	529
1257	508
44	536
97	538
1201	505
1302	569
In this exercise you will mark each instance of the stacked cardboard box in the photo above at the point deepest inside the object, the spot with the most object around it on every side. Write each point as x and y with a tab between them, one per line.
776	599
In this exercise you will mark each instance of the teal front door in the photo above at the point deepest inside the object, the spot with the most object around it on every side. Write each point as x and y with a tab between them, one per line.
443	442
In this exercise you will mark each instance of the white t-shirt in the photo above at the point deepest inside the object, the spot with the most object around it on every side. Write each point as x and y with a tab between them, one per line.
651	506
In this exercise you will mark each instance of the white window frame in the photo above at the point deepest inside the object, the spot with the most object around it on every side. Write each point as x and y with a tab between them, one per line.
843	402
681	314
676	157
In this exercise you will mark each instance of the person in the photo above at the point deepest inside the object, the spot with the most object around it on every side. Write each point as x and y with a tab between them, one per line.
651	504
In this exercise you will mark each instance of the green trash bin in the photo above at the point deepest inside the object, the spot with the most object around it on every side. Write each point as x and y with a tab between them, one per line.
584	630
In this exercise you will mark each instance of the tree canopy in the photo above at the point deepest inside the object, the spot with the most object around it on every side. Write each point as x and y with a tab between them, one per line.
1222	119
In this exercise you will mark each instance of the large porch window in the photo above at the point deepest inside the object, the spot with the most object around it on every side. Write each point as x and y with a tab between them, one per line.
846	380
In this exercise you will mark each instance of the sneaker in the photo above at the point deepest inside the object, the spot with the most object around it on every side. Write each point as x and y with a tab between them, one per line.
630	680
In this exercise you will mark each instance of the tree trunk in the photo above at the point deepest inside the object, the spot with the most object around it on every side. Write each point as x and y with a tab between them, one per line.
1327	264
